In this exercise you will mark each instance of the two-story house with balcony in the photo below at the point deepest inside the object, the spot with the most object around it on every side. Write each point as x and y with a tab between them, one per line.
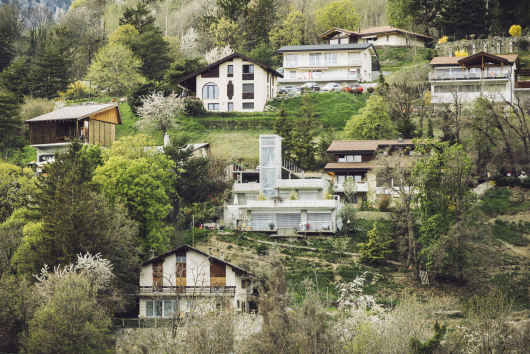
175	282
351	158
234	83
324	63
482	74
282	195
92	123
378	36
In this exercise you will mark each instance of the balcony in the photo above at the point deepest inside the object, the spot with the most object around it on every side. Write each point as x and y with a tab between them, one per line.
361	187
246	187
187	290
305	64
301	183
292	204
467	77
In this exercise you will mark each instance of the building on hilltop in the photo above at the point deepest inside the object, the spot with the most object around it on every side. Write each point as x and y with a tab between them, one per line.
279	197
378	36
234	83
91	123
185	278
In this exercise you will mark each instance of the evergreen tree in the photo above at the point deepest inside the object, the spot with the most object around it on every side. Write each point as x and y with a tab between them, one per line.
153	50
11	136
303	149
375	250
262	17
50	74
284	128
430	129
6	48
140	17
182	68
461	17
15	79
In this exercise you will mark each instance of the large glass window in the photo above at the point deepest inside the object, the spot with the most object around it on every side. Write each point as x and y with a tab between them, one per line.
248	69
314	59
210	90
213	106
331	58
248	88
248	105
291	60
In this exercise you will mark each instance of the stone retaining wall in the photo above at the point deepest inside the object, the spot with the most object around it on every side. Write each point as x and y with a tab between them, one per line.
495	45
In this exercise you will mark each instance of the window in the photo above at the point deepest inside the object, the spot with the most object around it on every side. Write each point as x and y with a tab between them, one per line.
388	38
248	91
349	158
190	304
165	308
248	105
358	178
181	259
357	158
210	90
230	106
341	158
293	75
355	199
291	60
344	40
340	180
333	41
354	58
331	58
314	59
213	106
230	71
248	69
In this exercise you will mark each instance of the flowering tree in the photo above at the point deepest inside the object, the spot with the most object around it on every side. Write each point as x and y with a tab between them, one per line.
217	54
515	31
351	296
158	112
188	43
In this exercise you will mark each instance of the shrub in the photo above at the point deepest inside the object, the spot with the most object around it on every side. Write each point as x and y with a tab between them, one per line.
375	250
370	90
193	108
355	91
496	201
443	40
508	181
522	43
515	31
262	249
384	203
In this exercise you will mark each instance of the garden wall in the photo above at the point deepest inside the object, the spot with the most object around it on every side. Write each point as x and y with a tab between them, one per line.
495	45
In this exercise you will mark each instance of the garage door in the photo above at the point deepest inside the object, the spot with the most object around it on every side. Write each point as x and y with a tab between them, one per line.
289	220
319	221
261	221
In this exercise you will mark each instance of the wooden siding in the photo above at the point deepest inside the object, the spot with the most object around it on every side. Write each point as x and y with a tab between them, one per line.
109	116
42	133
217	269
213	72
158	273
101	132
248	95
248	76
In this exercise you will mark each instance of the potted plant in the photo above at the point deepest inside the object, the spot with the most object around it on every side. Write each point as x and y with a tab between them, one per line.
307	226
271	225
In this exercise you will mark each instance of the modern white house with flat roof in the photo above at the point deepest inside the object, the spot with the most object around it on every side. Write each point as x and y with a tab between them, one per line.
325	63
281	194
234	83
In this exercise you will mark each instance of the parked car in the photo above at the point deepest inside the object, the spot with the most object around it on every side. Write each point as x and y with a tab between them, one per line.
351	87
287	89
332	86
312	86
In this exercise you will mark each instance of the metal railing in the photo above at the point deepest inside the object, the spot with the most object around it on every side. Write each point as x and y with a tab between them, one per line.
467	76
187	290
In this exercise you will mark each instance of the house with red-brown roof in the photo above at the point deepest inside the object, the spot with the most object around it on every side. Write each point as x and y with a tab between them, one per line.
383	35
492	76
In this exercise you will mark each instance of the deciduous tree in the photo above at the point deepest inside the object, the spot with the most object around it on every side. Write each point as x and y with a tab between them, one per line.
339	14
290	32
372	123
159	113
227	33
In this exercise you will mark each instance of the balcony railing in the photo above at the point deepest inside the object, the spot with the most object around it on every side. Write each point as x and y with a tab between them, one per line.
467	76
187	290
322	63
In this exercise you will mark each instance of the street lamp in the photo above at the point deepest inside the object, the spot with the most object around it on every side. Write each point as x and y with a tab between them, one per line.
348	227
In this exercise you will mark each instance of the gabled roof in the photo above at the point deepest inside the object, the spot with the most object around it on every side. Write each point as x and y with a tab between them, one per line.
326	47
76	112
371	31
186	247
365	145
458	61
197	146
225	59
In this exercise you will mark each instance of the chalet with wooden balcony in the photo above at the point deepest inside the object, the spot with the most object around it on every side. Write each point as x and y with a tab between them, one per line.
379	36
93	123
178	281
234	83
496	77
351	158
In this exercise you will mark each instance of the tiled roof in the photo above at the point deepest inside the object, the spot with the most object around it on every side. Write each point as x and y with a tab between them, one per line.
74	112
316	47
454	60
364	145
373	30
347	165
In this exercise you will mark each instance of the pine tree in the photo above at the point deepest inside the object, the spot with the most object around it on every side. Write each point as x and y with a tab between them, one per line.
6	48
284	127
11	136
153	50
303	149
430	129
50	75
141	18
375	250
461	17
15	79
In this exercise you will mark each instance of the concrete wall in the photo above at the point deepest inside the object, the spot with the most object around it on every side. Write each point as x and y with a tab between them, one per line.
396	39
495	45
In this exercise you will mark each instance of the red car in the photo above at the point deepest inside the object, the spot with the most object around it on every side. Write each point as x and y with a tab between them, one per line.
351	87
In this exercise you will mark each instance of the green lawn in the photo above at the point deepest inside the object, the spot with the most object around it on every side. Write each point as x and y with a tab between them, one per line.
392	59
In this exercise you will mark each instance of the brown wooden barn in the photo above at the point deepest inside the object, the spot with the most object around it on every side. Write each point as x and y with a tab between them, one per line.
95	123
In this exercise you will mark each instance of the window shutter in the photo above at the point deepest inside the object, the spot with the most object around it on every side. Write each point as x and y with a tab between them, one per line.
230	90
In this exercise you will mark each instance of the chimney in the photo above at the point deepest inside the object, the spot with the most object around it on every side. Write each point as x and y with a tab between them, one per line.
400	138
151	254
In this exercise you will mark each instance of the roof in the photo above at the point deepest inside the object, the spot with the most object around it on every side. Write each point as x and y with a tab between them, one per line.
447	61
75	112
198	146
372	31
225	59
364	145
196	250
347	165
327	47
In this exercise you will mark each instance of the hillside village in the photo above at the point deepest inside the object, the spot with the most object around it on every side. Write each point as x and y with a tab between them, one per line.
265	176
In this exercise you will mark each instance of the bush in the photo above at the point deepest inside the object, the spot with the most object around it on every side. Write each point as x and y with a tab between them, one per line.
262	249
496	201
428	55
384	203
356	91
522	43
193	108
370	90
508	181
143	90
347	212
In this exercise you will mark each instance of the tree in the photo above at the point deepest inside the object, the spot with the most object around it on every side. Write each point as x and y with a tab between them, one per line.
350	188
227	33
430	346
283	127
375	250
264	54
303	134
339	14
15	79
50	75
153	51
139	17
290	32
188	43
116	69
6	48
182	68
460	17
232	9
261	19
515	31
10	238
17	185
134	98
11	136
217	54
372	122
124	33
159	113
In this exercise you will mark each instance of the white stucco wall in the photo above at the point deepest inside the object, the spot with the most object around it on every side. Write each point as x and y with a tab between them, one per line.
395	39
262	89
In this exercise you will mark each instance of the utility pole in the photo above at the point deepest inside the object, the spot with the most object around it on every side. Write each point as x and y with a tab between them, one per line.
193	228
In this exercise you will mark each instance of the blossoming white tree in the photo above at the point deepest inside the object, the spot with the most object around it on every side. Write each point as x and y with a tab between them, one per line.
188	43
217	54
158	112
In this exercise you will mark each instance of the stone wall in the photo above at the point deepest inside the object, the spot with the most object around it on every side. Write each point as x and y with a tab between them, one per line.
495	45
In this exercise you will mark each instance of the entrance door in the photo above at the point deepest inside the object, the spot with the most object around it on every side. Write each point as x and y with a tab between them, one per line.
230	106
